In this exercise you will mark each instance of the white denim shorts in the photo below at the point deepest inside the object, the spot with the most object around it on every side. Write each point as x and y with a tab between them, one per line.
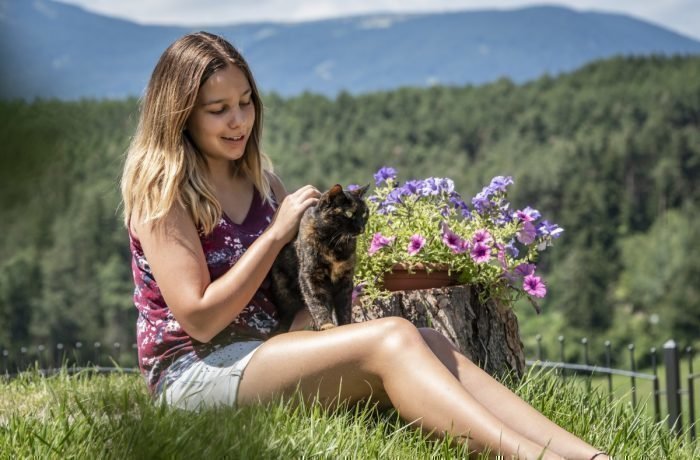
212	381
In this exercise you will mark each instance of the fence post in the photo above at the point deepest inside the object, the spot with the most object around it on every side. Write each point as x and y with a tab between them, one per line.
40	351
673	397
633	380
657	405
23	366
80	362
98	347
608	364
691	394
584	342
561	354
538	337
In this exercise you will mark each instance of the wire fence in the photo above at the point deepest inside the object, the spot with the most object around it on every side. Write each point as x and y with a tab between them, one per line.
672	394
70	357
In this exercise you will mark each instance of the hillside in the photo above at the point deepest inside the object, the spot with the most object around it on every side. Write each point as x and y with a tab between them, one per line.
610	152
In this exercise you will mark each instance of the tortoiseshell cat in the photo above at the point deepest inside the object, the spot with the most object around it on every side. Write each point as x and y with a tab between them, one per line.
316	269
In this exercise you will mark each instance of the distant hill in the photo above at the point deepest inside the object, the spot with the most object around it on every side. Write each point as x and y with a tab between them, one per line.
52	49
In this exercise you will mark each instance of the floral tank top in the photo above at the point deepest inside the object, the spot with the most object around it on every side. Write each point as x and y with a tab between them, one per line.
160	338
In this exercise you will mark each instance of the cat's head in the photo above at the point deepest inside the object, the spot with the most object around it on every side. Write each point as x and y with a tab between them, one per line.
344	210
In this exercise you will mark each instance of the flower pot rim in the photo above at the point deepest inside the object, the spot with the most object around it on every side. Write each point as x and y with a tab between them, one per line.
428	266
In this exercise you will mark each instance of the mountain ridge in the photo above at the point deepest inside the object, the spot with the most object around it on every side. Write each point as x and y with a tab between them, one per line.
96	56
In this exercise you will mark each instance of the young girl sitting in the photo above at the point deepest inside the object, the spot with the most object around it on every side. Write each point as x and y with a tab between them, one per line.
207	217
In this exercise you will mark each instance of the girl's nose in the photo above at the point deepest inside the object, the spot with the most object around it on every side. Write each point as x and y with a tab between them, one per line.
236	117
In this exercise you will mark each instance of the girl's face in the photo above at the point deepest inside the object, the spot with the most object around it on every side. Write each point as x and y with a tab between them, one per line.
223	115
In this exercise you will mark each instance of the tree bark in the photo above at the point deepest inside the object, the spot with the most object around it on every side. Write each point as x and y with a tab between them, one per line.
487	333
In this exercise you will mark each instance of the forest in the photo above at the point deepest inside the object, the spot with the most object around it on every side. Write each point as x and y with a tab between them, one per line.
611	152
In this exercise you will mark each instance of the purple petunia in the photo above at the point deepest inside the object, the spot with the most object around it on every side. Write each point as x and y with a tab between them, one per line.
480	253
551	230
357	292
500	183
413	187
527	234
379	241
512	250
456	200
481	201
415	244
384	175
525	269
453	241
534	286
527	215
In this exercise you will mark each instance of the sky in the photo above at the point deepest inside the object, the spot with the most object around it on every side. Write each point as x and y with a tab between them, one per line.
682	16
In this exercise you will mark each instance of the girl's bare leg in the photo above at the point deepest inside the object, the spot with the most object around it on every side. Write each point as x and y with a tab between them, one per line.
389	360
506	405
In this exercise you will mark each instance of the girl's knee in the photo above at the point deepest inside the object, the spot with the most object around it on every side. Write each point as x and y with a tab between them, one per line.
397	335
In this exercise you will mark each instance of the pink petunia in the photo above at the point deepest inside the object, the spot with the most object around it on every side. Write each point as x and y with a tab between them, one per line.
379	241
453	241
534	286
502	256
415	244
480	253
482	236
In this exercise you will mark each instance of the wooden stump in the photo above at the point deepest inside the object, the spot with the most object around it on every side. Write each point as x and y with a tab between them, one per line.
487	333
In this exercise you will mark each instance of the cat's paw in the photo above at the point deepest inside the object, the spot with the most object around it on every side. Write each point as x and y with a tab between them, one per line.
326	326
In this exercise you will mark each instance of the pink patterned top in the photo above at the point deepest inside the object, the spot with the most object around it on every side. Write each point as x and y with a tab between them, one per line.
160	339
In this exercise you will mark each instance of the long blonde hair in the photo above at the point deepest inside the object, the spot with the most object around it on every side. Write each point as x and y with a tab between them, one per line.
163	167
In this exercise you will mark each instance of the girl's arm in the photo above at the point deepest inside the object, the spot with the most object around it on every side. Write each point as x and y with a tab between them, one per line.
302	320
202	307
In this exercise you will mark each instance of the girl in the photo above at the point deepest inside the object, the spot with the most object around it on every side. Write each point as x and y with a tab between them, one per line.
207	217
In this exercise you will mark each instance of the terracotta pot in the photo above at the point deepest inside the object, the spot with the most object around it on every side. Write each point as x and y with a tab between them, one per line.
399	278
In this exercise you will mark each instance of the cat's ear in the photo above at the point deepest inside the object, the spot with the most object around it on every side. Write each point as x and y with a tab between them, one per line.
360	191
332	194
336	190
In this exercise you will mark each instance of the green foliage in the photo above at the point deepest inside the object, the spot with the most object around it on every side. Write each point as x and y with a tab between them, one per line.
610	152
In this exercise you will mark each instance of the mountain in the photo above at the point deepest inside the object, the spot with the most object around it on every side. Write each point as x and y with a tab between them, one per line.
51	49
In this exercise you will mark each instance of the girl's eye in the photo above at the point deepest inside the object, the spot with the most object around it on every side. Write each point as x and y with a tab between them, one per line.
244	103
217	112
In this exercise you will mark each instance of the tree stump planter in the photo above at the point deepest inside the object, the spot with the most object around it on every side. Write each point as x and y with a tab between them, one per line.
487	332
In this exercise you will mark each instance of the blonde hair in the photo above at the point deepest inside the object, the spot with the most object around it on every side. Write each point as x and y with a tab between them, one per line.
163	167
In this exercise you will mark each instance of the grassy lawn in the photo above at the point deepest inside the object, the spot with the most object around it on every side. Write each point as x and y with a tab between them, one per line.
96	416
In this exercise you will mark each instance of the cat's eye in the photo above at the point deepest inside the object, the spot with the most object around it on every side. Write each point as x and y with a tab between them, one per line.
348	213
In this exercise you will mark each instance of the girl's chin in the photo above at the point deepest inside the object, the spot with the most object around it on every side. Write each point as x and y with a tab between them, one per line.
225	156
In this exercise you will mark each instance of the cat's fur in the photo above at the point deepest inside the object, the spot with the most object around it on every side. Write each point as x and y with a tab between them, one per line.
316	269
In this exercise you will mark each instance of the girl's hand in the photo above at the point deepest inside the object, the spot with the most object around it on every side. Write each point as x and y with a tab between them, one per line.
286	221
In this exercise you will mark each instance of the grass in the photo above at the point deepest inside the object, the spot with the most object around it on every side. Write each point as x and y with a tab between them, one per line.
97	416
